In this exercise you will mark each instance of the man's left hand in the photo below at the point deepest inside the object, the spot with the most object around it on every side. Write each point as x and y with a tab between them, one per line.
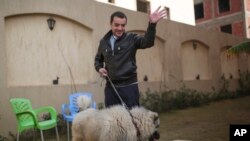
157	15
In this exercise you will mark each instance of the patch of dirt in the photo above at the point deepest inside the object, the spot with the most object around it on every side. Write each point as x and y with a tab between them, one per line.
206	123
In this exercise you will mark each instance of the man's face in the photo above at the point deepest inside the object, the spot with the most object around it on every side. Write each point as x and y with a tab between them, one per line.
118	26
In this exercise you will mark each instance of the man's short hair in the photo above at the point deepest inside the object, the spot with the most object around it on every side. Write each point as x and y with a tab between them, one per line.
117	14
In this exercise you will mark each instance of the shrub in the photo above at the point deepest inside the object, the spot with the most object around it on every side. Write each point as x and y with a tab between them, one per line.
185	97
244	83
173	99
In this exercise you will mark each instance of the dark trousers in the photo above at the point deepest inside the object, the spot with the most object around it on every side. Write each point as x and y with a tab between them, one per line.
129	94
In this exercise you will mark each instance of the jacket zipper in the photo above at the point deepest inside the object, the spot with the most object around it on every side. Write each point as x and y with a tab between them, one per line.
113	50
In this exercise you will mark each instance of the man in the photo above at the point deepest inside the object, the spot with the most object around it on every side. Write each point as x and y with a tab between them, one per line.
115	58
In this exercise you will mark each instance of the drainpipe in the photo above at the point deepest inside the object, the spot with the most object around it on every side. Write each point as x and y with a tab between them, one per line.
245	17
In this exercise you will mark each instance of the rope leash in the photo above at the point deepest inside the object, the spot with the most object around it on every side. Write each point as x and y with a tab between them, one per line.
138	133
123	103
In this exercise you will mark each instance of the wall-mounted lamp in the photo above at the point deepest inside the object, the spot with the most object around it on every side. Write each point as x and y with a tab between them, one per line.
197	77
51	23
55	81
194	45
231	76
145	78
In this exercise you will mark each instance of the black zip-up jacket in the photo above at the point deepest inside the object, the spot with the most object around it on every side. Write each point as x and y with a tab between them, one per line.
121	62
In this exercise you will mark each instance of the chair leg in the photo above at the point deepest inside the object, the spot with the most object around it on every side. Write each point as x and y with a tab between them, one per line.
41	131
68	131
34	134
17	138
57	135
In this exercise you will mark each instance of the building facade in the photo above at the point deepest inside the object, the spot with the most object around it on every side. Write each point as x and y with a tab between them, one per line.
229	16
179	10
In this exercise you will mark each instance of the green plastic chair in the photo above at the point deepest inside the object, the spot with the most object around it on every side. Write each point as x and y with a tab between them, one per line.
28	118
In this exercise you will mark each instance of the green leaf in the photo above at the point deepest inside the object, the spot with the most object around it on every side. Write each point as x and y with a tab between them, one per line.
239	48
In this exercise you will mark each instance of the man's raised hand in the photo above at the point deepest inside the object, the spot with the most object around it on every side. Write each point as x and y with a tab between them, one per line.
157	15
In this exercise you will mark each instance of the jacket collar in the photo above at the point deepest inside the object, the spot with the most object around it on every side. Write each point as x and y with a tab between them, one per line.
109	33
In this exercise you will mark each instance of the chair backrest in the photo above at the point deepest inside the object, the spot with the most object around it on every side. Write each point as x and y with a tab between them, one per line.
20	105
73	106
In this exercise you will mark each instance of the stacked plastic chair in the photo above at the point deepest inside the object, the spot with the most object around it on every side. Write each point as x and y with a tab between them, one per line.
28	118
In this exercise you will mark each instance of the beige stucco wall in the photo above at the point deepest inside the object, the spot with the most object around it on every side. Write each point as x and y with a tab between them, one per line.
31	55
41	55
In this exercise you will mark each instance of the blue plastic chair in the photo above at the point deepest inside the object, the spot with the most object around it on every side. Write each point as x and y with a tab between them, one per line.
70	110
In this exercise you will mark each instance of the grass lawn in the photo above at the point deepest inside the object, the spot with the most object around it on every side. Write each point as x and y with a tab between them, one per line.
206	123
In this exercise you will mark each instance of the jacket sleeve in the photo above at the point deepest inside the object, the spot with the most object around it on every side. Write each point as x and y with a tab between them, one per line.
148	39
99	59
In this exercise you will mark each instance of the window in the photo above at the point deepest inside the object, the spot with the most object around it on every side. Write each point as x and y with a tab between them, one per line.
111	1
143	6
224	6
226	28
199	11
168	12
